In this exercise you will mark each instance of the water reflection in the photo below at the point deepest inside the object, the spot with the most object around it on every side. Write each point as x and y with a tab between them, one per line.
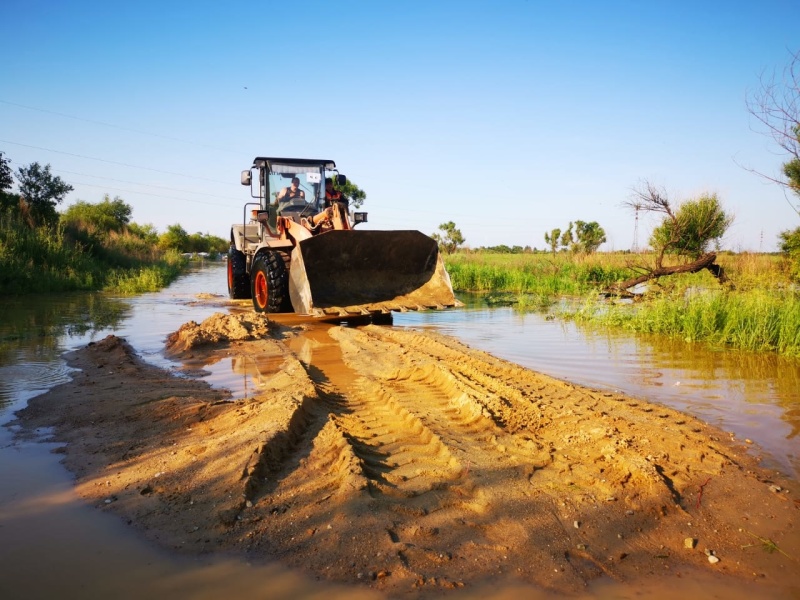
32	331
239	373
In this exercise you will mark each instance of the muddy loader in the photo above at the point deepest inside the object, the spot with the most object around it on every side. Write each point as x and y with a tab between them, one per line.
297	250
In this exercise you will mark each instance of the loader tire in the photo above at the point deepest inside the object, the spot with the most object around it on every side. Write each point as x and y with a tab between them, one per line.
286	306
270	282
238	279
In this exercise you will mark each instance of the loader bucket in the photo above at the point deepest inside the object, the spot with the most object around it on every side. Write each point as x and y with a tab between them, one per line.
345	273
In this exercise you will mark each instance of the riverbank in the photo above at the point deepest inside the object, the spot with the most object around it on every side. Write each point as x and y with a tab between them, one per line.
408	462
76	256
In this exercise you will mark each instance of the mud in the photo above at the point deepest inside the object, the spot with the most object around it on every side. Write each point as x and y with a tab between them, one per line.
410	463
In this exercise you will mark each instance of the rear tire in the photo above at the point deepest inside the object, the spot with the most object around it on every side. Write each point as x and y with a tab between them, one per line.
270	282
238	279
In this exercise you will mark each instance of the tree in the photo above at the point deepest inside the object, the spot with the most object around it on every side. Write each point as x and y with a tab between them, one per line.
146	232
692	228
552	239
108	215
776	106
590	236
7	199
790	246
568	239
6	179
450	239
216	244
41	192
175	237
205	242
687	230
351	192
684	232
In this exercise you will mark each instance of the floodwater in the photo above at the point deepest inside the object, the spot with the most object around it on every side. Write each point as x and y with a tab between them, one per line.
52	545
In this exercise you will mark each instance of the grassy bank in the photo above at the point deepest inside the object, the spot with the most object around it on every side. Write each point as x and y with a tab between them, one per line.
758	310
756	320
62	259
533	279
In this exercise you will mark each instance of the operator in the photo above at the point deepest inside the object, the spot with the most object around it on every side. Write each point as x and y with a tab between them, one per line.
292	192
331	195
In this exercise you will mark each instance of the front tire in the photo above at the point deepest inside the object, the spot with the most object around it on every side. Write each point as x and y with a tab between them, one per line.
238	279
270	282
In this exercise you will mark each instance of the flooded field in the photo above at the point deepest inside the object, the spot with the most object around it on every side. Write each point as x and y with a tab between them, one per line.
44	527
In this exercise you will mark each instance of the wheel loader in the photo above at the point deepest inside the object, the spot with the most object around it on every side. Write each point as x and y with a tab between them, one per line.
298	251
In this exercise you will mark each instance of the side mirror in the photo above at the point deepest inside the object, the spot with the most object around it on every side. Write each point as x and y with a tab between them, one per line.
341	179
359	217
247	177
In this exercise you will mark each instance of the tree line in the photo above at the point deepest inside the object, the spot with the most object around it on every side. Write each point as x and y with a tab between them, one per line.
35	206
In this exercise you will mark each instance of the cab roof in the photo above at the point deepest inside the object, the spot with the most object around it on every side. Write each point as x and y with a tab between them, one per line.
261	161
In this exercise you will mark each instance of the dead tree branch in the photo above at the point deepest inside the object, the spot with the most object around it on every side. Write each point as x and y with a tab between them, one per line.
707	261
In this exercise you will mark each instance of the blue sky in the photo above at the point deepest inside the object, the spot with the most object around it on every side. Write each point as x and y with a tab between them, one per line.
508	118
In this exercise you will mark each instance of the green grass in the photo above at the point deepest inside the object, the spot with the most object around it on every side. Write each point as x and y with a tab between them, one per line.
41	260
758	310
149	278
756	320
541	275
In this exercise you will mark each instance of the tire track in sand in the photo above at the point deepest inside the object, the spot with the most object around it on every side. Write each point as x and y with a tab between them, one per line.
451	460
458	406
397	454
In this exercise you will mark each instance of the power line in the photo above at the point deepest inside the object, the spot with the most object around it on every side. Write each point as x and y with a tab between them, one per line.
121	128
112	162
111	125
161	187
140	132
151	194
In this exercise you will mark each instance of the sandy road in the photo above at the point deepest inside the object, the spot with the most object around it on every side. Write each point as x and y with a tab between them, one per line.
409	462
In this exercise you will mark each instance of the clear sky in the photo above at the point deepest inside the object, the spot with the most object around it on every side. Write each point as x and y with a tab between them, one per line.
508	118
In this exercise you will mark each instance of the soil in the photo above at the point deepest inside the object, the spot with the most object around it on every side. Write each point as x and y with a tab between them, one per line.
410	463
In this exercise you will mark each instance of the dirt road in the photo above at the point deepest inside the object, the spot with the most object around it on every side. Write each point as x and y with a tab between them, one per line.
410	463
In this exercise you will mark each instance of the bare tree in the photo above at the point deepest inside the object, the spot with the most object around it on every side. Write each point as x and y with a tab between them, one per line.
649	198
776	107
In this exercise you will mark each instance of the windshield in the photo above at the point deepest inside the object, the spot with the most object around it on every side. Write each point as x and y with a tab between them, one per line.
296	186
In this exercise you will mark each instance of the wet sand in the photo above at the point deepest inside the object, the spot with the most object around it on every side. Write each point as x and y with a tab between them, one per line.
411	464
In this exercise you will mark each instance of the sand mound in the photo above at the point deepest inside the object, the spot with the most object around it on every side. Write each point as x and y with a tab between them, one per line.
218	329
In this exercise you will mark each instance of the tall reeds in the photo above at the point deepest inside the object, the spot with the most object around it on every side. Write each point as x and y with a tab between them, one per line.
756	320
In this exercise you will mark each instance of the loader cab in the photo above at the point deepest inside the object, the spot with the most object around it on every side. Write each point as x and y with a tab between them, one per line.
279	197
